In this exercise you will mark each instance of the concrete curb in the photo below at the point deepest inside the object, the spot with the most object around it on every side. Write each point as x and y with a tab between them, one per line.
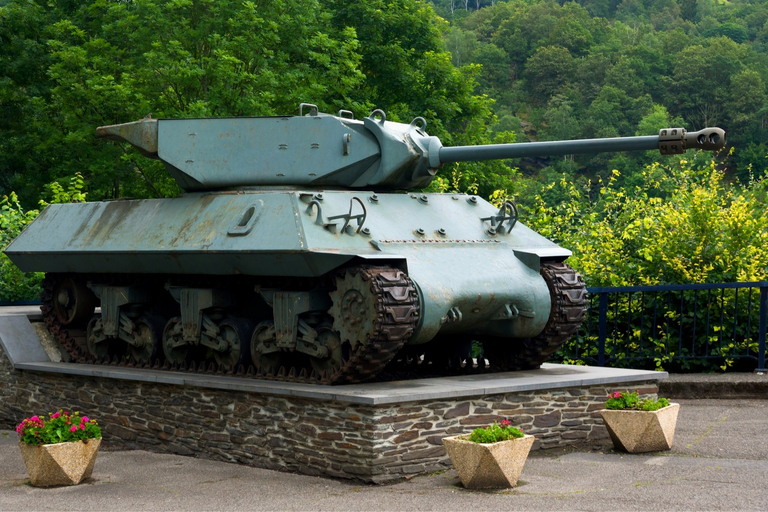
715	385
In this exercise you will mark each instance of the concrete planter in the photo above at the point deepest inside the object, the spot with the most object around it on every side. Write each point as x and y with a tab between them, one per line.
487	466
641	431
60	463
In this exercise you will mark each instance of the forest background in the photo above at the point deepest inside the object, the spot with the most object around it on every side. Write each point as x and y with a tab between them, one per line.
479	71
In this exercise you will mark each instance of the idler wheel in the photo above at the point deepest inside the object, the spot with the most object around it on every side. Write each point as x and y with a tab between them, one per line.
149	335
336	353
97	345
72	301
175	349
236	333
263	341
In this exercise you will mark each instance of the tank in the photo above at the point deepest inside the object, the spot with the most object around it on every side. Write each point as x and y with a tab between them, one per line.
296	253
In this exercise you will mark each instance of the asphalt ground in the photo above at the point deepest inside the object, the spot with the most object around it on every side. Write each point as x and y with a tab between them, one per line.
719	461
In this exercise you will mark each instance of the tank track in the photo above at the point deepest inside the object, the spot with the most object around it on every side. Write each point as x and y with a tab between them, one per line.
569	307
397	312
452	357
397	307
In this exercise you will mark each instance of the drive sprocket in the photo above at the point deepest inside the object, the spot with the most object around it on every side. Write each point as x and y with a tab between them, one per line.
375	311
355	315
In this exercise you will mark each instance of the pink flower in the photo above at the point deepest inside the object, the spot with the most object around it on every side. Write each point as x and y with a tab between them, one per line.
505	423
617	394
34	418
84	419
55	415
73	429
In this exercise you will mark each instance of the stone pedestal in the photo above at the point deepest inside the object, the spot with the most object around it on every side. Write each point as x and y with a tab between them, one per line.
373	432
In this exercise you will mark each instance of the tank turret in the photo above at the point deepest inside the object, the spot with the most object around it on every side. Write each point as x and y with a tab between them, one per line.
287	259
206	154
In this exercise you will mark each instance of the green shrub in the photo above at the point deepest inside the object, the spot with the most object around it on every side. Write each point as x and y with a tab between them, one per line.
619	400
16	285
685	223
495	433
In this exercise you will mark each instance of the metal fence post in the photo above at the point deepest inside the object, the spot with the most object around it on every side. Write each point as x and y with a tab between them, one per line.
602	319
763	326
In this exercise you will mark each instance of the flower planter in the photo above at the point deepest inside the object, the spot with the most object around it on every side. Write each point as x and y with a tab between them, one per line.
486	466
641	431
60	463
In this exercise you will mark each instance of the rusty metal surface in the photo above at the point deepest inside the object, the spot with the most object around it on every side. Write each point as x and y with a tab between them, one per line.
140	134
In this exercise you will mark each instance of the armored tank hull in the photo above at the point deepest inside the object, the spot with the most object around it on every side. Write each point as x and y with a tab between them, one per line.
291	255
325	286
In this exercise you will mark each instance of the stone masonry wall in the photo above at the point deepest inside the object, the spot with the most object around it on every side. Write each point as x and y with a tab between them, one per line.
369	443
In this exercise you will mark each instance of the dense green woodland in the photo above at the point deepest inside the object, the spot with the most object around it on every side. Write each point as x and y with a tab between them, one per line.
607	68
478	71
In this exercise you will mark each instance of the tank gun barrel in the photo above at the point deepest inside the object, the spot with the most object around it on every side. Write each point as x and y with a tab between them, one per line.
670	141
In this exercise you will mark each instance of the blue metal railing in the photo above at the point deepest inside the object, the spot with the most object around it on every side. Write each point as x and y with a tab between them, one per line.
673	323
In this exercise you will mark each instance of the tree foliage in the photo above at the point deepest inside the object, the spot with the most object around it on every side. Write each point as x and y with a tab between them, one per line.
14	284
557	71
685	223
68	67
597	68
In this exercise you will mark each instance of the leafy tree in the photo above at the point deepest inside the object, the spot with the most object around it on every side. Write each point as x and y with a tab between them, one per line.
548	70
699	77
615	113
561	123
657	119
733	31
495	75
407	72
569	32
747	96
23	80
688	10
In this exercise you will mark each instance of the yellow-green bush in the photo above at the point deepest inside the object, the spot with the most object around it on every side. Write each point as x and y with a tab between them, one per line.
685	224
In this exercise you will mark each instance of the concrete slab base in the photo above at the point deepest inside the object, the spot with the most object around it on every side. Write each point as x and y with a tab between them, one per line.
374	432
